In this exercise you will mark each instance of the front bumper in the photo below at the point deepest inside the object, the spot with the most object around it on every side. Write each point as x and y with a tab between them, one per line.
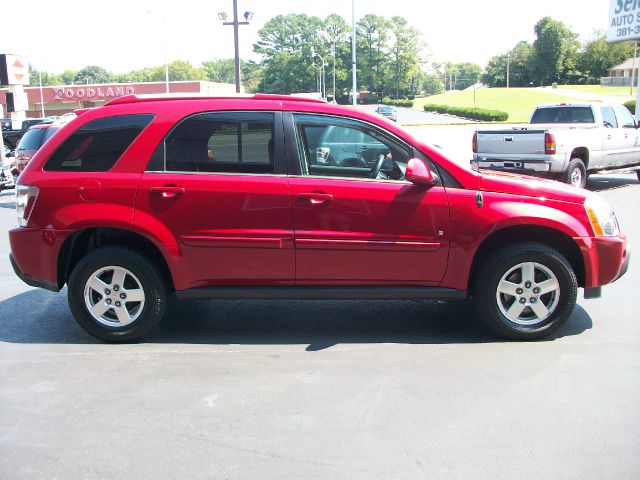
606	259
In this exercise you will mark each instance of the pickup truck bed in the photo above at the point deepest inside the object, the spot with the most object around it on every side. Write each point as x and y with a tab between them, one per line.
592	137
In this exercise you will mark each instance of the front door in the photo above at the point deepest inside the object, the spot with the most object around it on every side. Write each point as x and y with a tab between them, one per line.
213	191
360	222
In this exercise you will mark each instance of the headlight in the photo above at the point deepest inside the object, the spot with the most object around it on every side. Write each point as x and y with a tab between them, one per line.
603	220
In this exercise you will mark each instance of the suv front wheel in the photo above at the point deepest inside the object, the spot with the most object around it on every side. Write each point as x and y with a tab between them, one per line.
116	294
525	291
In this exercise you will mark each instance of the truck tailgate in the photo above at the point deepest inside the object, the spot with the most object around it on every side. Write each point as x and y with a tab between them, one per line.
510	142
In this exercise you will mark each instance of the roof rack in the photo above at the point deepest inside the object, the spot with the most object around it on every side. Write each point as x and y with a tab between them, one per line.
182	96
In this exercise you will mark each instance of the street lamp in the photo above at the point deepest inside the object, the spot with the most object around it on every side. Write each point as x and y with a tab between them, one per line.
323	79
247	17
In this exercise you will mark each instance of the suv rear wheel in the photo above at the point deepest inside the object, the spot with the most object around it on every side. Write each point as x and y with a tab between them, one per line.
116	294
525	291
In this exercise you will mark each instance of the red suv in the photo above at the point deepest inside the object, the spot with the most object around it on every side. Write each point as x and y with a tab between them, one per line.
241	198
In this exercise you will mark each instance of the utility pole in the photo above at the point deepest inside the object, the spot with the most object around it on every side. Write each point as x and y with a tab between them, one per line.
508	65
354	86
633	67
247	16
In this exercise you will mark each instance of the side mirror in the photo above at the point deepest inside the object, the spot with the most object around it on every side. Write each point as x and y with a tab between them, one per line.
419	174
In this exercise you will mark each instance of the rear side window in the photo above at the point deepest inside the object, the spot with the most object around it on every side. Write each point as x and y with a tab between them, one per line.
97	146
226	142
32	139
563	115
608	117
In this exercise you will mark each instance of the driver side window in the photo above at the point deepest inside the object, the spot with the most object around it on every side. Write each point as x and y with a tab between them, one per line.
334	147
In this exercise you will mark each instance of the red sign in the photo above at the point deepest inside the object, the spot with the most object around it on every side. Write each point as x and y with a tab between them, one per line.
14	70
91	93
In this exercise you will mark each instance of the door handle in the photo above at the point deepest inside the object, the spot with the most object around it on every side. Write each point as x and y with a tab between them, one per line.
316	198
168	191
608	137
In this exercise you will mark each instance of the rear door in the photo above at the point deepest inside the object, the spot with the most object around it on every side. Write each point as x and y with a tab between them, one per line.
630	135
217	193
614	143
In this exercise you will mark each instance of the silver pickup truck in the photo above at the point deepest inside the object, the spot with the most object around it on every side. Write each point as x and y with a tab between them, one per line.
563	141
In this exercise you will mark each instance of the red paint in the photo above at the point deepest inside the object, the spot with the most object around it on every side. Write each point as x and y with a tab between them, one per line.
241	229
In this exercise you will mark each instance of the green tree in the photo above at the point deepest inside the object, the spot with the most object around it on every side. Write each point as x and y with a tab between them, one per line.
467	74
432	84
405	57
554	52
286	43
221	70
92	74
372	35
597	57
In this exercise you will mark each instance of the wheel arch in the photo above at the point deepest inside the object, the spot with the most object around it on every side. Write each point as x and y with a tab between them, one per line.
582	153
84	241
529	233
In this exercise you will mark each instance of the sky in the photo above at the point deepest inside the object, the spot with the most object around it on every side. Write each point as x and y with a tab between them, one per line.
123	35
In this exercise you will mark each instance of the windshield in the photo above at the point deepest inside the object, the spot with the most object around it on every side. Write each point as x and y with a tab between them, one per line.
562	114
32	139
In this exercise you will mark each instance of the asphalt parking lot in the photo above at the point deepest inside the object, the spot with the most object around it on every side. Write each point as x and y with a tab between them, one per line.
322	389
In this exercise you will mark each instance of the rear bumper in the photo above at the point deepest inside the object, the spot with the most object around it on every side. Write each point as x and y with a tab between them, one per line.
32	282
519	166
34	255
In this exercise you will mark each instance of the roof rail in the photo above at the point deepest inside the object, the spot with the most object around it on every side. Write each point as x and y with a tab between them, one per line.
182	96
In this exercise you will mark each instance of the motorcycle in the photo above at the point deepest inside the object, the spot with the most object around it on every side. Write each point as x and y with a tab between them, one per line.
7	176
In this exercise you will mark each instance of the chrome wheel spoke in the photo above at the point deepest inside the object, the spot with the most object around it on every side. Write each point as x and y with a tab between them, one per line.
99	309
548	286
508	288
528	272
119	275
515	310
123	316
540	310
97	285
136	295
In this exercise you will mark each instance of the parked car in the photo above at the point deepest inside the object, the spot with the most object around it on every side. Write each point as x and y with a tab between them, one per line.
31	142
223	198
12	137
387	111
565	142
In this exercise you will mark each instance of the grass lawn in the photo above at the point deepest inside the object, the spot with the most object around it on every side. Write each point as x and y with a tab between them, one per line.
622	92
517	102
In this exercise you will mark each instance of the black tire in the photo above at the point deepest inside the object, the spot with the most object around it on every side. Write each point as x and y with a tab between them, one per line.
546	264
638	174
576	173
140	277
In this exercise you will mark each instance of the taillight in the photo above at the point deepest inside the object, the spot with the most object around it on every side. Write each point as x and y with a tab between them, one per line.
549	144
474	142
26	196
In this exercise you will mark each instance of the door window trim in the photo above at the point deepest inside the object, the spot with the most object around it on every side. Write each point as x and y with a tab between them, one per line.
280	166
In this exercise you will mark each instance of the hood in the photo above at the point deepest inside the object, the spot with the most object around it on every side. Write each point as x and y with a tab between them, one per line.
516	184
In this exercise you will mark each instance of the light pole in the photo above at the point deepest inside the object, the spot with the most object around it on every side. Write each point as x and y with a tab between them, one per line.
247	17
333	52
323	78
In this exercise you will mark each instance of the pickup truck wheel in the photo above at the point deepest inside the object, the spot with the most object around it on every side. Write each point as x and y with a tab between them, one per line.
576	173
116	294
525	291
